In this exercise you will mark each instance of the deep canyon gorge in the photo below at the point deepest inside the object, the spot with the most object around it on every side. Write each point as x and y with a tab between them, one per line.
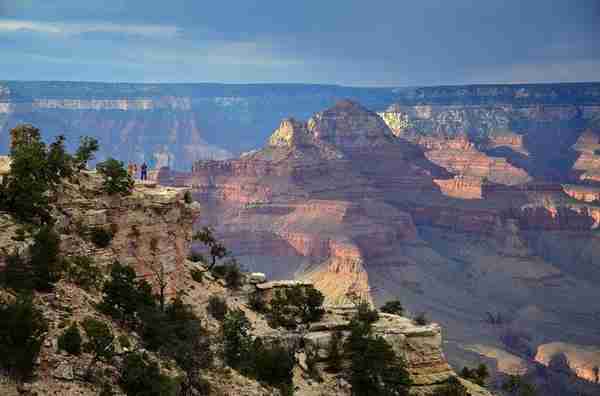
479	205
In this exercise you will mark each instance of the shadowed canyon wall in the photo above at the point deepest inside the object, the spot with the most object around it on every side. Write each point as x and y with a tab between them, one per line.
177	124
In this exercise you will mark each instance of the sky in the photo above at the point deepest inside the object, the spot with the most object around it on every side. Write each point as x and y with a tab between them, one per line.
347	42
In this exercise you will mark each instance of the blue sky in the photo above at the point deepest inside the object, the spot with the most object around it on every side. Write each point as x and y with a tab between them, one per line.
360	43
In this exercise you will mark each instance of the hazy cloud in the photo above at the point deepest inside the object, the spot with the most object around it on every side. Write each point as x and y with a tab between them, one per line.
352	42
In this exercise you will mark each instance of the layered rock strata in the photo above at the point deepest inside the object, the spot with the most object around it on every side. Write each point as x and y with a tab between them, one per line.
420	346
341	201
151	228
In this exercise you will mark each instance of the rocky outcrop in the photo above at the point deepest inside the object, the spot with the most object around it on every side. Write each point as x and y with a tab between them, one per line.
587	164
559	217
447	143
289	134
582	193
507	139
581	360
419	346
462	187
4	165
151	228
348	125
267	290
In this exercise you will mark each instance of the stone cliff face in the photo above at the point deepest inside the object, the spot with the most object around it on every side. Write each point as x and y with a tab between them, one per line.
517	140
459	156
587	164
420	347
178	124
150	215
159	214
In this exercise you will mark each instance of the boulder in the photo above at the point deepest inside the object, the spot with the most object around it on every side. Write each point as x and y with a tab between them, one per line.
257	277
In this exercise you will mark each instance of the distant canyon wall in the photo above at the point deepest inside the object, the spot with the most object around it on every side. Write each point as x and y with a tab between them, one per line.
177	124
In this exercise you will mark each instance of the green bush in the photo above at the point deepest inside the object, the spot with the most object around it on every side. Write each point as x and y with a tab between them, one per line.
197	258
453	387
216	250
100	339
217	307
256	302
518	386
298	304
23	190
116	178
22	332
70	340
45	258
393	307
42	269
177	333
365	313
335	352
273	364
124	295
233	275
18	273
82	271
36	170
219	271
478	375
141	377
230	272
235	330
421	319
281	312
101	237
197	275
85	153
374	367
187	197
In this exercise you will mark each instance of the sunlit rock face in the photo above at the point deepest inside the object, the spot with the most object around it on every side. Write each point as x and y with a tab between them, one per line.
290	133
151	228
587	165
4	165
581	360
510	140
453	138
348	125
419	345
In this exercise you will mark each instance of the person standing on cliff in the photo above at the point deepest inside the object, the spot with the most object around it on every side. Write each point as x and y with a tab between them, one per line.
144	171
135	170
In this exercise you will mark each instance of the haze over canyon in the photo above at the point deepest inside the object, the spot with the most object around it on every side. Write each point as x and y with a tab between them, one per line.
479	205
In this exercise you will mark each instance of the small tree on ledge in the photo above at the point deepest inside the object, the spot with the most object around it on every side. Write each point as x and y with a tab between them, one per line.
116	178
216	249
